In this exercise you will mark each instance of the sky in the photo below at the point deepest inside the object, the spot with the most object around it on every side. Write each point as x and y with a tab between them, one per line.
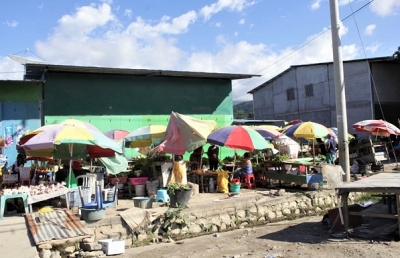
262	37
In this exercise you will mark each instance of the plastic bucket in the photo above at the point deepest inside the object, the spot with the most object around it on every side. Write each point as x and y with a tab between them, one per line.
142	202
140	190
180	198
234	188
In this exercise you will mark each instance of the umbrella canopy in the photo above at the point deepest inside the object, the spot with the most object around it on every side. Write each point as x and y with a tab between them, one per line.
67	141
376	127
335	131
145	136
70	121
185	133
267	132
309	131
238	137
116	134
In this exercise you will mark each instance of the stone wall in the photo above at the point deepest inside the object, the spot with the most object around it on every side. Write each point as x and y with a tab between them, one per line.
205	218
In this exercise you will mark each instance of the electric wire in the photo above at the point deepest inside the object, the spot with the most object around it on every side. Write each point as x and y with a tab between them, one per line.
304	45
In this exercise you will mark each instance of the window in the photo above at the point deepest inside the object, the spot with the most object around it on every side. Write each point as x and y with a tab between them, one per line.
309	90
290	94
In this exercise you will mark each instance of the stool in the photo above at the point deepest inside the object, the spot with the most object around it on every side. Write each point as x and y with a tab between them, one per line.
248	181
25	180
12	196
162	195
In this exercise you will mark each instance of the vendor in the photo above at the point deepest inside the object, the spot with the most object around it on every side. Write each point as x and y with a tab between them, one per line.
196	157
19	163
247	167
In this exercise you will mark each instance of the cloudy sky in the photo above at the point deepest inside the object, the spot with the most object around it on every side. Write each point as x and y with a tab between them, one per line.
262	37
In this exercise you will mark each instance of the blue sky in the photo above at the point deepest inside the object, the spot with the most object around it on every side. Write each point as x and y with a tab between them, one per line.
262	37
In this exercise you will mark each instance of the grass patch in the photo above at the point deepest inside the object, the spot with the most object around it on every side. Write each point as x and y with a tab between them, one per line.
367	197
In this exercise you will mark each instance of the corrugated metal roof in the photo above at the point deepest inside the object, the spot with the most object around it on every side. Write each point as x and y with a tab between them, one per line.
37	69
54	225
370	60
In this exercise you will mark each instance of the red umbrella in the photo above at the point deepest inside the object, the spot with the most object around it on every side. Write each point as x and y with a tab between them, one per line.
376	127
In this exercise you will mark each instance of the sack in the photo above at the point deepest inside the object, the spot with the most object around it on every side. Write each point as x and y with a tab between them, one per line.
222	181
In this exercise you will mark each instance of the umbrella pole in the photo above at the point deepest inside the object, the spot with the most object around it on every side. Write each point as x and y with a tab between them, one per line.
70	146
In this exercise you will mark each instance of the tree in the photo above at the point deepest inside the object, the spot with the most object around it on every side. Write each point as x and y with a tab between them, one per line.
250	115
239	114
396	54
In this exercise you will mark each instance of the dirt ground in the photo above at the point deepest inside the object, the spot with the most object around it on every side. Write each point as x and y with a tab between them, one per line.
305	237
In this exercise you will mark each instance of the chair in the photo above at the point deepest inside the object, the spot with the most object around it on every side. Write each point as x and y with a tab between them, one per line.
248	181
88	184
3	201
99	202
25	176
162	195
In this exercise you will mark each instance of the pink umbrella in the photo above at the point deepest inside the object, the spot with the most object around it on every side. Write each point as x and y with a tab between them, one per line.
116	134
376	127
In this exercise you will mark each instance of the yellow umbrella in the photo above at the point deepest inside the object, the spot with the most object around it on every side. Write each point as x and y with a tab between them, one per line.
145	136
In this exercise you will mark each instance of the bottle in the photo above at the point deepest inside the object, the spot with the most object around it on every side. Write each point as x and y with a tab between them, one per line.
211	185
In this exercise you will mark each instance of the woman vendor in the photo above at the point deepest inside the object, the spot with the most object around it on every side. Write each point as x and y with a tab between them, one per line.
19	163
247	167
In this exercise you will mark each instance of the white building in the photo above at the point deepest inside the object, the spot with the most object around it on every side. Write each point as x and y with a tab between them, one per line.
307	92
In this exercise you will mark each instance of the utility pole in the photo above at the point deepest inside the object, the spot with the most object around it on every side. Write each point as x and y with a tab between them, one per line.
340	93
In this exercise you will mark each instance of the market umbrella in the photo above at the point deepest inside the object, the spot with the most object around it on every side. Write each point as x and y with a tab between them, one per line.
185	133
116	134
335	130
309	131
238	137
376	127
145	136
70	142
69	121
267	132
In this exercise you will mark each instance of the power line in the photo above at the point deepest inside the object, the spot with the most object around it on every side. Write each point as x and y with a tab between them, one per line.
307	43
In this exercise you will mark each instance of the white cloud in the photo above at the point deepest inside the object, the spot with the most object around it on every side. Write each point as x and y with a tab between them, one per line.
385	7
218	24
128	12
10	70
369	30
316	5
83	22
372	48
234	5
242	21
11	24
344	2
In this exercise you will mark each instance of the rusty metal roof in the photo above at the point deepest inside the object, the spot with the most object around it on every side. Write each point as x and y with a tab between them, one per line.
55	225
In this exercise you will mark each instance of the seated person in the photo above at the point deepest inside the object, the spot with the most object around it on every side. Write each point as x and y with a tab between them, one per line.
78	171
195	157
62	174
247	167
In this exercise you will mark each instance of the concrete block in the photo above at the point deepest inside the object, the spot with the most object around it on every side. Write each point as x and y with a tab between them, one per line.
45	246
90	246
69	249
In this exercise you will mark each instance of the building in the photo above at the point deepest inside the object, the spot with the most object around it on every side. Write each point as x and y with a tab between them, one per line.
307	92
112	98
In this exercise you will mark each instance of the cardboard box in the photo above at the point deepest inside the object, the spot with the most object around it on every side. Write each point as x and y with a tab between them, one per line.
354	220
113	246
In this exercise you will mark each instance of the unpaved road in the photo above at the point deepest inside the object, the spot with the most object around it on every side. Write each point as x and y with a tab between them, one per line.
305	237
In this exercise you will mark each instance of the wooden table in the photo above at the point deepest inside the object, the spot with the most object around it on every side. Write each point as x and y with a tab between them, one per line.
207	174
42	197
388	183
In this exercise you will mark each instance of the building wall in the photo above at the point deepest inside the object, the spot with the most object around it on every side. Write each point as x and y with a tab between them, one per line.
20	111
321	106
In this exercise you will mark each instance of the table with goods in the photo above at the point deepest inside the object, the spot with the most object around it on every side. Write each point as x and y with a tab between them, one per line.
299	171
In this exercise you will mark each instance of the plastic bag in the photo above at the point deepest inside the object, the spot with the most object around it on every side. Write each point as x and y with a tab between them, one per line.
222	181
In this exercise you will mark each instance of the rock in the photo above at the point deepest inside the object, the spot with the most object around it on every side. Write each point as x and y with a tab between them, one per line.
141	237
69	249
88	240
216	235
45	253
45	246
90	246
55	254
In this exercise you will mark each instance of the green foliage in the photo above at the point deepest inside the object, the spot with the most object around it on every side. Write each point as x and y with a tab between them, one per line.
367	197
246	107
250	115
173	187
174	216
240	114
280	158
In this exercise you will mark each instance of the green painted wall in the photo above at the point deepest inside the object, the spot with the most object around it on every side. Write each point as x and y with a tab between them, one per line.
129	102
20	91
107	95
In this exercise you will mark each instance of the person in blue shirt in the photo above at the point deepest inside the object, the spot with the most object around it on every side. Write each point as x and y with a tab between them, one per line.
331	150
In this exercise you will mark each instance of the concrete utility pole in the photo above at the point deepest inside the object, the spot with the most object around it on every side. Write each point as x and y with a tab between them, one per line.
340	94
